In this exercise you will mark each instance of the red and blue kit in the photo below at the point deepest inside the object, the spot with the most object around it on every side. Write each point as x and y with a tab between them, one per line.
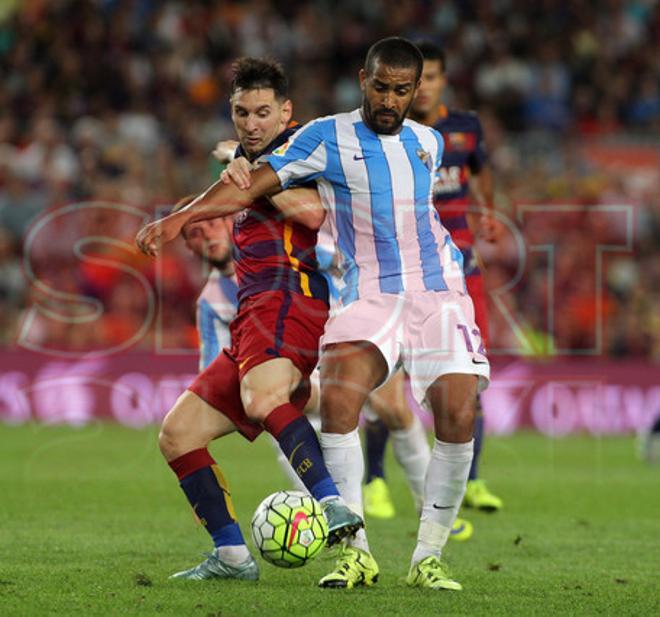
283	305
464	155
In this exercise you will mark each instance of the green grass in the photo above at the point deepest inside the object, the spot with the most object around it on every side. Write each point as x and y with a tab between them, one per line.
92	522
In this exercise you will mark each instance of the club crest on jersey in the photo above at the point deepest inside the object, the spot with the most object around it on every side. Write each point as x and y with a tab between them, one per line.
457	140
425	157
241	216
280	150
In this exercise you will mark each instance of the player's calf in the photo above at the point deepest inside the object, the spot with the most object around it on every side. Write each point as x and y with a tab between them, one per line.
186	431
207	492
452	401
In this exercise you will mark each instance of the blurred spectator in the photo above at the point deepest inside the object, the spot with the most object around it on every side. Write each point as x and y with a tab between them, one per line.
119	103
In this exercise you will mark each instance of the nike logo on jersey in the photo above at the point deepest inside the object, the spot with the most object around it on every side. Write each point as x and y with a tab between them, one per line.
479	362
358	158
437	507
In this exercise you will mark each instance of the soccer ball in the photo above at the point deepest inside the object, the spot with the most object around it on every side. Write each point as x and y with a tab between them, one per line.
289	528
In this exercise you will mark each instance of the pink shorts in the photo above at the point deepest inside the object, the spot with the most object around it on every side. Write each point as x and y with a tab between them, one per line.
429	333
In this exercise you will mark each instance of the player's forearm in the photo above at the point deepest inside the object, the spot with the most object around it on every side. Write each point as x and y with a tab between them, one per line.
222	199
481	188
302	205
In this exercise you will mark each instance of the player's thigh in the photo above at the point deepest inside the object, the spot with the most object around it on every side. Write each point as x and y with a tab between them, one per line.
349	372
192	423
268	385
447	344
452	399
389	403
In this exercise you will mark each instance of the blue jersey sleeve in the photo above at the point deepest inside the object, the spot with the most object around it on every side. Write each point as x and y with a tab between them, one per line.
302	158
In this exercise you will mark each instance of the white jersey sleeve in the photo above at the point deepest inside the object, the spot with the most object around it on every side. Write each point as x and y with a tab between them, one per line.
303	157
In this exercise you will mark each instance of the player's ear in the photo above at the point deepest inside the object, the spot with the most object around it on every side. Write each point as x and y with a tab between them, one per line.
287	111
363	78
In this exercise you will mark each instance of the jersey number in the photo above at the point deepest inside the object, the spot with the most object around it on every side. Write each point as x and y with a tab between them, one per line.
468	340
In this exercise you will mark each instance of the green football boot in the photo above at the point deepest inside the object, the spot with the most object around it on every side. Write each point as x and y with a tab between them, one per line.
342	521
431	573
214	567
377	501
354	567
478	496
461	530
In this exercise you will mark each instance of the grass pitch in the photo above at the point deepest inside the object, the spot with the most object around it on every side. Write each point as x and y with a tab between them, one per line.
93	522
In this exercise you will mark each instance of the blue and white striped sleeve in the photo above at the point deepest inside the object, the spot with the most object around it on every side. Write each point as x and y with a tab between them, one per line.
302	158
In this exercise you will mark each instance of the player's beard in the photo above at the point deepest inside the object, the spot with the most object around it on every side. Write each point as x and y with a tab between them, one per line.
219	264
371	117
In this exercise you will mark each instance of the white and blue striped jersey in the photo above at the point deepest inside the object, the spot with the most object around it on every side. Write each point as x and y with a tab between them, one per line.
378	193
216	308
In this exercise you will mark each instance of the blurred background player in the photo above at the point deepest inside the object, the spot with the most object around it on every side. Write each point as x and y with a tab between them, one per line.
261	382
218	302
463	178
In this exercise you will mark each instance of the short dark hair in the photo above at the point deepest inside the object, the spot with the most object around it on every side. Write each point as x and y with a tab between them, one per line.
252	73
394	51
432	51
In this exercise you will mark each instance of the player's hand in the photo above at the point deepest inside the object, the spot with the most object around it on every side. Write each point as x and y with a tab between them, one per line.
152	236
238	172
488	228
224	151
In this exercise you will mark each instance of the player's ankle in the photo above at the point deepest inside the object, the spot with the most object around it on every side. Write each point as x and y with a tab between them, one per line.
233	555
334	499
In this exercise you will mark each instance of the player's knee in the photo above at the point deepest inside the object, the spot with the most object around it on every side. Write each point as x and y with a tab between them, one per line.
258	404
169	440
178	436
456	422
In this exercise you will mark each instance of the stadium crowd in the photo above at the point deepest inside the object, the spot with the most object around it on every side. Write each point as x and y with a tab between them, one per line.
119	103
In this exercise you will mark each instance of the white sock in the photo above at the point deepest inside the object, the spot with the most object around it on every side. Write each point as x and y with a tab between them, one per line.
444	488
413	453
345	463
233	555
290	472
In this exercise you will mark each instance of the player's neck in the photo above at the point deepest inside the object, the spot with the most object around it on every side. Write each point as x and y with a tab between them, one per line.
429	118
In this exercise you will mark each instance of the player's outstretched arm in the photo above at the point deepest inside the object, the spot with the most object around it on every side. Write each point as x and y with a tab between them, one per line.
219	199
302	205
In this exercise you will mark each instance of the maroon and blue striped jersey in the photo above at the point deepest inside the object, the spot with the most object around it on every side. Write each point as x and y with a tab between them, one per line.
273	253
464	154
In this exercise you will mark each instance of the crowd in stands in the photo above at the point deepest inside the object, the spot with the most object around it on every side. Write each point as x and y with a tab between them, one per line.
115	105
